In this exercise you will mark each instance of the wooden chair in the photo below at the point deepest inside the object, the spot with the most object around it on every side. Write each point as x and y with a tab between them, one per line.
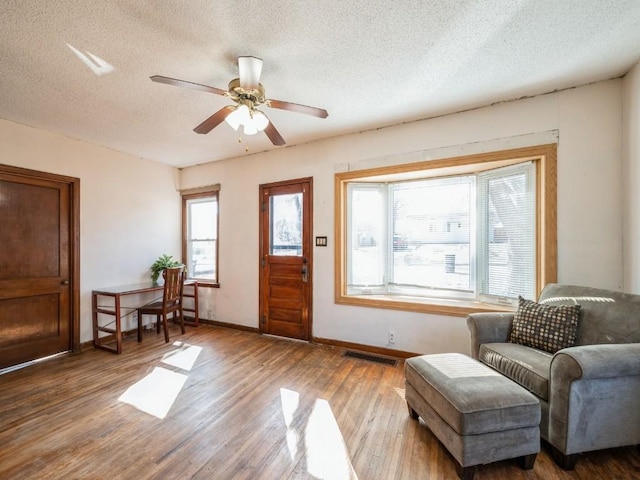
170	304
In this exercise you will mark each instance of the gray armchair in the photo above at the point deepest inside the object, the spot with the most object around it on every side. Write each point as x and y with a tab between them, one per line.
589	393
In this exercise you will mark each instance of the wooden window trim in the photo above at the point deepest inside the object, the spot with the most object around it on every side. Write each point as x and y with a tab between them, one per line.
191	195
544	158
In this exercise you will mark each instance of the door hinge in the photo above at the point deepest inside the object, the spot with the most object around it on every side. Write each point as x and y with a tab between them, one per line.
264	319
263	263
264	206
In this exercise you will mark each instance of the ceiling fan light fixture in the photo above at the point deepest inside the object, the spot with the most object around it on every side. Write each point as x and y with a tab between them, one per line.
232	120
250	129
259	120
251	120
239	116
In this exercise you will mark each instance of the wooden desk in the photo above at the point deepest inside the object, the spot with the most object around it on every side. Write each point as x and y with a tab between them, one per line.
114	327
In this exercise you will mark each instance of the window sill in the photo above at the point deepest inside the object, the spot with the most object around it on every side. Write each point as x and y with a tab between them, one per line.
457	308
206	283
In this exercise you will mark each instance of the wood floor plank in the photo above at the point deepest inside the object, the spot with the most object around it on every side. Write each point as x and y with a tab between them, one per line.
251	407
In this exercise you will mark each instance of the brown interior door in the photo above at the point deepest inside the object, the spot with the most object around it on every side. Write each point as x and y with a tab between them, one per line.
35	267
286	258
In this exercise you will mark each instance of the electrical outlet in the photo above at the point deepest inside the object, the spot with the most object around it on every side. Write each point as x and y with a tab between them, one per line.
209	314
392	338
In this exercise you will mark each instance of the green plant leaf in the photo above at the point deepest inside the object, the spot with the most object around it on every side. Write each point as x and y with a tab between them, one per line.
163	261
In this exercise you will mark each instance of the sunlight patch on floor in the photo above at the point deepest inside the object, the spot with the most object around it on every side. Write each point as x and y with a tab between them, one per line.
319	437
155	393
327	454
184	357
290	401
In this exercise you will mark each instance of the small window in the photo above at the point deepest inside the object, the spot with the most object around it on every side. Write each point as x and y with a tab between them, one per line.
200	236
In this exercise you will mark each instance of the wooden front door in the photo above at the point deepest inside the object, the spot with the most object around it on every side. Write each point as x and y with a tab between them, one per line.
286	258
38	271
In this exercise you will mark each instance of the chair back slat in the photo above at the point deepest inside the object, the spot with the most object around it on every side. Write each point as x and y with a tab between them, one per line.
173	281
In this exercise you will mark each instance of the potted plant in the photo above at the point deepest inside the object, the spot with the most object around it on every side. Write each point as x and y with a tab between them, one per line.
164	261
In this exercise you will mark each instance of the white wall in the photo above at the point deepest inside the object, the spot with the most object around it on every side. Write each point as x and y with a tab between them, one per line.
129	208
588	123
589	186
631	179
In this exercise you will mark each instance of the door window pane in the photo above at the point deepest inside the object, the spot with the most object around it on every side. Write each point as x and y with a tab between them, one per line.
285	229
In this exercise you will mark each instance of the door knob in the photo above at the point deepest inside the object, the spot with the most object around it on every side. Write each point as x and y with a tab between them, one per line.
64	282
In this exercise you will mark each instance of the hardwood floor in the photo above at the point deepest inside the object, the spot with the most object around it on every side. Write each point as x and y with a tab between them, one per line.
249	407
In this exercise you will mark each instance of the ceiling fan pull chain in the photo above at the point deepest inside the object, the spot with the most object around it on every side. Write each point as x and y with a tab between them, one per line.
246	148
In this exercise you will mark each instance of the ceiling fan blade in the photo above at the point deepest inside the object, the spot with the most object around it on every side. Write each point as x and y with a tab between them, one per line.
274	134
183	83
214	120
295	107
250	70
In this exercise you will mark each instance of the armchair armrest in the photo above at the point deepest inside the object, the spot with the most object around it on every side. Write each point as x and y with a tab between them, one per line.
493	327
593	397
596	361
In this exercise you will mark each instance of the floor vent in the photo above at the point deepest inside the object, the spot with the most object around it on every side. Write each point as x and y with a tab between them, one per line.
371	358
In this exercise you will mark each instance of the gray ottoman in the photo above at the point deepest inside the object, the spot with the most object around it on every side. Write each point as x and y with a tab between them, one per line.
479	415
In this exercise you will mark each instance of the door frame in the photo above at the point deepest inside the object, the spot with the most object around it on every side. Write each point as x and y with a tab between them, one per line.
73	184
307	244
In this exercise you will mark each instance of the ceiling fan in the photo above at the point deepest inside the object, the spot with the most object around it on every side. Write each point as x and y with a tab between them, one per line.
248	93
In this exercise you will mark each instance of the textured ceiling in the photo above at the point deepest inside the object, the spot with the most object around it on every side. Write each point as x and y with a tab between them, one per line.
81	68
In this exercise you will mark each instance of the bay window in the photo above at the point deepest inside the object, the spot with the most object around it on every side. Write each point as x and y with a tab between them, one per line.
452	235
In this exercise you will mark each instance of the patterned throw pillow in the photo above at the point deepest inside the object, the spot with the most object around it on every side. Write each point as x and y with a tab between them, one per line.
545	327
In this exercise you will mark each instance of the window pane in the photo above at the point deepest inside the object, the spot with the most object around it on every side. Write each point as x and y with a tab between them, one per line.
366	235
509	233
203	260
202	215
285	215
431	233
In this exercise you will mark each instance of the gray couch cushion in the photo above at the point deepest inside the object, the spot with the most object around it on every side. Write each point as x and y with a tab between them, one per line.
606	316
469	396
527	366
